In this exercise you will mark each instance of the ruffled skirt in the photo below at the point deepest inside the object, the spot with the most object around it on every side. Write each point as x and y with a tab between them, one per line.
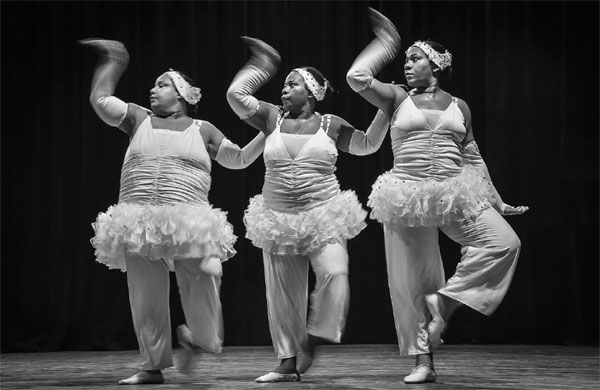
430	202
304	232
169	232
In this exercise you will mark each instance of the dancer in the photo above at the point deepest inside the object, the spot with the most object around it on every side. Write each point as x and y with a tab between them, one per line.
439	182
163	221
302	216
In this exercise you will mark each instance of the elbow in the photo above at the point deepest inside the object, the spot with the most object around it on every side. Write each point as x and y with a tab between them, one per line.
359	79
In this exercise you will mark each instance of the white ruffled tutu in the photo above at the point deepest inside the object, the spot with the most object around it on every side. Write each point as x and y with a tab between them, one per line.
304	232
430	202
169	232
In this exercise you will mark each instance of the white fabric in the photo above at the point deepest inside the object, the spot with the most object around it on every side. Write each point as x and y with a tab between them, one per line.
490	249
110	109
286	279
370	61
245	83
363	143
232	156
471	155
148	283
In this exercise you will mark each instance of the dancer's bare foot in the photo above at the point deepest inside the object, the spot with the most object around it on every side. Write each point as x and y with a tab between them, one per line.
437	324
307	356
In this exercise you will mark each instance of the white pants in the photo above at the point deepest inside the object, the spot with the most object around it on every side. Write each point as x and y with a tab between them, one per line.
199	283
490	249
286	279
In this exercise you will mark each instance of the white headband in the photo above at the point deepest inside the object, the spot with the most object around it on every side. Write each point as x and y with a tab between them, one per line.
443	60
190	94
311	83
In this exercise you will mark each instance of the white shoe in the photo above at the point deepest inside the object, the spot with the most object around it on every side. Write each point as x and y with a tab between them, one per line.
421	374
143	378
190	350
277	377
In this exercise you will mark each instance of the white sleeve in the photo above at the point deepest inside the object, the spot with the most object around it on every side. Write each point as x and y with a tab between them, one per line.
232	156
110	109
363	143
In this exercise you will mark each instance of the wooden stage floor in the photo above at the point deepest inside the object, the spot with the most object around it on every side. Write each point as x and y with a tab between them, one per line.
337	367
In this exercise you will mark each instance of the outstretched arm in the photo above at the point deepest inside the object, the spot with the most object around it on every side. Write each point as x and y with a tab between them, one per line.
232	156
113	59
362	143
227	153
260	68
380	52
472	156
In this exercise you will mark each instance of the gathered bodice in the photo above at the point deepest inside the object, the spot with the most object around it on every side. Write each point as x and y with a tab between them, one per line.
426	143
304	181
165	166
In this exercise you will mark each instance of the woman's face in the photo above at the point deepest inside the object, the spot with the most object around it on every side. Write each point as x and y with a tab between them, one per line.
417	68
164	95
294	91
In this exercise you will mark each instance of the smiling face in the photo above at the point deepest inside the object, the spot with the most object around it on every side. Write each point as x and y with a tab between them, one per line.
417	68
164	97
294	92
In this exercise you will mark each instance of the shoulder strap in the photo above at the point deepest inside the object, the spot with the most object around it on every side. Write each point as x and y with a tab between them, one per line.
326	127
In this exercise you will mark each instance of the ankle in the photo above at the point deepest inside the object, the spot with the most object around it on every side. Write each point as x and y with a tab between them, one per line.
425	359
287	366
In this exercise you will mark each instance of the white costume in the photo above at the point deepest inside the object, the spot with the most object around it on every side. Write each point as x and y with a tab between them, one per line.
430	188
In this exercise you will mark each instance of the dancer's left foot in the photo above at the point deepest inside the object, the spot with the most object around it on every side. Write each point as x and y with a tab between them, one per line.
437	324
307	356
190	350
278	377
144	378
421	374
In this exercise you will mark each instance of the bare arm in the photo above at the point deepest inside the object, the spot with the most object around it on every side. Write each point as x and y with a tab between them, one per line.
260	68
472	156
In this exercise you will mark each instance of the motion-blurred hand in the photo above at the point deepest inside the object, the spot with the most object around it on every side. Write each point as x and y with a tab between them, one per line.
262	55
385	31
506	209
108	49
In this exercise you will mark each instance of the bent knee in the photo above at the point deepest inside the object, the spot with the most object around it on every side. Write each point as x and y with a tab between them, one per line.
211	266
511	242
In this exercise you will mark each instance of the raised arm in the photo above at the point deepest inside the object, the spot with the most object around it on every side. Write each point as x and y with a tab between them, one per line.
378	53
113	59
358	142
472	156
260	68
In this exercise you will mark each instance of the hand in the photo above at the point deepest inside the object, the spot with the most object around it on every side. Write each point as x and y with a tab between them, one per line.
262	55
384	30
110	50
506	209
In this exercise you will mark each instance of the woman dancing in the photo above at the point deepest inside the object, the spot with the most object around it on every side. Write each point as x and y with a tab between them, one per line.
163	221
438	182
302	216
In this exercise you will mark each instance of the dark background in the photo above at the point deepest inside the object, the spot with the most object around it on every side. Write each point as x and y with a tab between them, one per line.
528	70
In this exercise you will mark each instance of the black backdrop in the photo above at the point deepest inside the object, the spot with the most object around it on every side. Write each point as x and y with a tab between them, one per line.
529	71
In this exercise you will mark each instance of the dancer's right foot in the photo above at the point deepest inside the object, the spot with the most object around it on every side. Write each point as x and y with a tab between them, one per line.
190	350
307	356
153	377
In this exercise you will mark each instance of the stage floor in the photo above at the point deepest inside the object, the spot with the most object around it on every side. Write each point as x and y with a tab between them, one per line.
336	367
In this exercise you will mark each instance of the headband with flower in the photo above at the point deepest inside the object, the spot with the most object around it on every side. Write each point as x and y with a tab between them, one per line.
312	84
189	93
443	60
